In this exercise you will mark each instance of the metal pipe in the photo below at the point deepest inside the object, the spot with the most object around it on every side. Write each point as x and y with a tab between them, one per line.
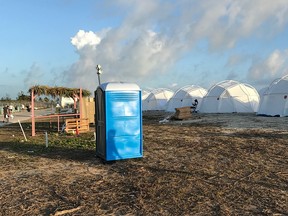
99	79
99	71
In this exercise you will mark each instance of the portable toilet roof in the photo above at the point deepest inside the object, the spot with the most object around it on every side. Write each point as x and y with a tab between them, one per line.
230	96
123	86
157	99
185	96
274	101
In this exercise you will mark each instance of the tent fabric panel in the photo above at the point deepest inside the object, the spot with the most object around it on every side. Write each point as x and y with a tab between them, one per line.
227	83
185	97
226	105
274	101
209	105
243	104
273	105
231	96
188	101
215	91
280	88
157	100
263	104
254	101
241	89
285	112
144	95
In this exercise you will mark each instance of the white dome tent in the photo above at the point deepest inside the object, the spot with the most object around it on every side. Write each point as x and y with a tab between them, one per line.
230	96
262	91
145	94
157	99
185	96
275	99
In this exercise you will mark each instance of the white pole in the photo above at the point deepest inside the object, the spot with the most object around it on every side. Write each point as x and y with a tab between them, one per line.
46	138
22	130
94	137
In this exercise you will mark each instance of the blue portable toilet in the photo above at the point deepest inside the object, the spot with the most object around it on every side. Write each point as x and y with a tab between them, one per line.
118	121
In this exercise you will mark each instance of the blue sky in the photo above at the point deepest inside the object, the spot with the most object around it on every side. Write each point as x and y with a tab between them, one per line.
154	43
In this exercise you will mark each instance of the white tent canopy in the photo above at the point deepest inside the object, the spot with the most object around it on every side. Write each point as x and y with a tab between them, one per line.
230	96
262	91
275	99
145	94
157	99
185	96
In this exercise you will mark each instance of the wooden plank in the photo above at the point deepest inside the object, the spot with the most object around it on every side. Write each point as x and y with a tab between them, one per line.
76	124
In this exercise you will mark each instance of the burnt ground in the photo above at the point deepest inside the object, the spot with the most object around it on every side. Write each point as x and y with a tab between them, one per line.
207	165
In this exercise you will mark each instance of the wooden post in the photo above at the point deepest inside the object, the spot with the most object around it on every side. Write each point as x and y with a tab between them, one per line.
74	100
80	104
58	125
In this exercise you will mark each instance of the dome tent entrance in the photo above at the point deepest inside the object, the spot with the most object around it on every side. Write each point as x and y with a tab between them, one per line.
275	99
157	99
185	96
230	96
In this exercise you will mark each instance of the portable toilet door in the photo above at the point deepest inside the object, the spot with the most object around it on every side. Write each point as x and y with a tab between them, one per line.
118	121
100	123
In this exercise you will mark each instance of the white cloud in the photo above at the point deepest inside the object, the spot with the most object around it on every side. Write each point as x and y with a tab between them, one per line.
173	85
156	34
121	59
224	22
276	61
82	39
232	76
236	59
33	76
274	66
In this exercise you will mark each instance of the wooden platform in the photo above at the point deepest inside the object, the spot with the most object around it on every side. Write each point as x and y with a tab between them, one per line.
77	125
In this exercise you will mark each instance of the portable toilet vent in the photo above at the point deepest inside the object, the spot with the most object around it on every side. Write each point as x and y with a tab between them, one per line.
118	121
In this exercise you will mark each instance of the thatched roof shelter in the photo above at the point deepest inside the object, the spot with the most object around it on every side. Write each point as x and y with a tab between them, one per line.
58	91
55	91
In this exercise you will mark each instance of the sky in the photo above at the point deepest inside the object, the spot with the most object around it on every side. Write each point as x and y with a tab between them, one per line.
153	43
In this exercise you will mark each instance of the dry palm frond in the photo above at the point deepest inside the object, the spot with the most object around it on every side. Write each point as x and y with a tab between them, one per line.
58	91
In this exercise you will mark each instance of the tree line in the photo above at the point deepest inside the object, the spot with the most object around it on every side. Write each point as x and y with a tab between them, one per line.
21	96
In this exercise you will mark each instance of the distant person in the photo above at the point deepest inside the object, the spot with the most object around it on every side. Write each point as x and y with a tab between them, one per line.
194	105
10	114
28	108
6	113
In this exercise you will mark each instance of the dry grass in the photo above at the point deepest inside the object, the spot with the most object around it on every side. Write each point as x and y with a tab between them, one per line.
186	170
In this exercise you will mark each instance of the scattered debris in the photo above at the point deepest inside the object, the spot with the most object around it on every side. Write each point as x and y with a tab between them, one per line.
183	113
222	165
69	211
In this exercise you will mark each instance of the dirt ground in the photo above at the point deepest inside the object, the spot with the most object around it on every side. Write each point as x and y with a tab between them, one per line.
234	164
